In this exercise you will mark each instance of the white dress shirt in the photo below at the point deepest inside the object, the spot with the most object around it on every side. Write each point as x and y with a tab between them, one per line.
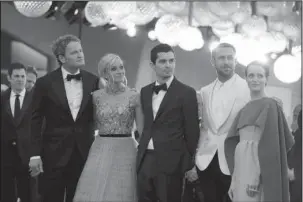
12	100
74	92
219	99
156	102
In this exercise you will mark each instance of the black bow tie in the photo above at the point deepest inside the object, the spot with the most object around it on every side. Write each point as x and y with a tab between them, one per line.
69	77
156	89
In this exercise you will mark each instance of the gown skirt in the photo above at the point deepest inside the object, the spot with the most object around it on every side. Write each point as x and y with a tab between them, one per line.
109	174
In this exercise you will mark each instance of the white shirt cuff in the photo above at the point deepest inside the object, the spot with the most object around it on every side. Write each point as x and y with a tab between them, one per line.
35	157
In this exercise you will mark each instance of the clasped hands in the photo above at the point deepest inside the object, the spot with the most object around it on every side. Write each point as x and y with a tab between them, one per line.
35	167
192	175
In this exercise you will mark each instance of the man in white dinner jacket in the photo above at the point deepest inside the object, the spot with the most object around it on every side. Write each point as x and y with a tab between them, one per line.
222	100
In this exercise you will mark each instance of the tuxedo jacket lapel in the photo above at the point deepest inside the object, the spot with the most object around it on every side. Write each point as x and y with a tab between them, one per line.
149	103
59	90
208	105
229	105
168	97
230	101
86	86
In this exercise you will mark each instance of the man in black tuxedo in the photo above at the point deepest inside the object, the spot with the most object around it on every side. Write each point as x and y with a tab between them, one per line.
171	131
15	138
63	99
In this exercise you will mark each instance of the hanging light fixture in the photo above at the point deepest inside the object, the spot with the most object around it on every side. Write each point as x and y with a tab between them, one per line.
191	39
172	6
242	14
223	28
116	10
287	68
203	15
168	29
33	9
94	14
255	25
145	13
224	9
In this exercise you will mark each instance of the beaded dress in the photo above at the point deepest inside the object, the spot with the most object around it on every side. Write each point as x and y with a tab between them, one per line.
110	171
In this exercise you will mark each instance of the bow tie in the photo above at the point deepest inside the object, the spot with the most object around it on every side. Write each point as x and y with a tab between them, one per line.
156	89
69	77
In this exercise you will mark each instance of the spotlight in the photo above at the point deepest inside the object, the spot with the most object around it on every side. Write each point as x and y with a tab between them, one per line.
53	13
76	12
131	32
109	27
113	28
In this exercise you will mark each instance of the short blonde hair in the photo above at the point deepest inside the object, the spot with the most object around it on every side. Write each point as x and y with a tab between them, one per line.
106	62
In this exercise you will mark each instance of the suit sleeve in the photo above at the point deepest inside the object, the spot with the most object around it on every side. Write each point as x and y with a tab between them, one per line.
37	118
191	121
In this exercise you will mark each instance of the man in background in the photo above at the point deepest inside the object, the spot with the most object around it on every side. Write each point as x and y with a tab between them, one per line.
31	77
15	141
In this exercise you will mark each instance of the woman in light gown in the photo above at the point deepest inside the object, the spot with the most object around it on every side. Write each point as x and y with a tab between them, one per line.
257	145
110	172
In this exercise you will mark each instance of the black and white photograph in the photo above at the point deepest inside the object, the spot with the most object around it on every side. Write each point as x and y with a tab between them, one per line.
151	101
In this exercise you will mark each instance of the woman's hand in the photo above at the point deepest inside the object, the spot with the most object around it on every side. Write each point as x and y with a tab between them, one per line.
253	189
192	175
291	174
231	193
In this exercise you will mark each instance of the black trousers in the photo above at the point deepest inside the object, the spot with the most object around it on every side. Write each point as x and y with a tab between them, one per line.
214	183
157	187
15	178
61	182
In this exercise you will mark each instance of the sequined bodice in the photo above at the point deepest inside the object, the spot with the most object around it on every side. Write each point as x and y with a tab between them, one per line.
114	114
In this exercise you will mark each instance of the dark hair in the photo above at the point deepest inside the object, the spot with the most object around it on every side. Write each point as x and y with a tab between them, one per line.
14	66
161	48
31	69
59	45
266	67
222	45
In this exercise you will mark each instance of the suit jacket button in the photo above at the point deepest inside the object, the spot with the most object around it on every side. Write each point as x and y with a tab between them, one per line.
14	143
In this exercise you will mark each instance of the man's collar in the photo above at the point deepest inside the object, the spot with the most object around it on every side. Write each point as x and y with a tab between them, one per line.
65	72
229	81
168	82
22	93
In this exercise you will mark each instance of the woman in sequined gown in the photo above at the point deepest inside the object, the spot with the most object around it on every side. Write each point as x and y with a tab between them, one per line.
110	172
257	145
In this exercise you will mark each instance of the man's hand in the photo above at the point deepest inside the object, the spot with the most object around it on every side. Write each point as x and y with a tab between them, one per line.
35	167
192	175
291	174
